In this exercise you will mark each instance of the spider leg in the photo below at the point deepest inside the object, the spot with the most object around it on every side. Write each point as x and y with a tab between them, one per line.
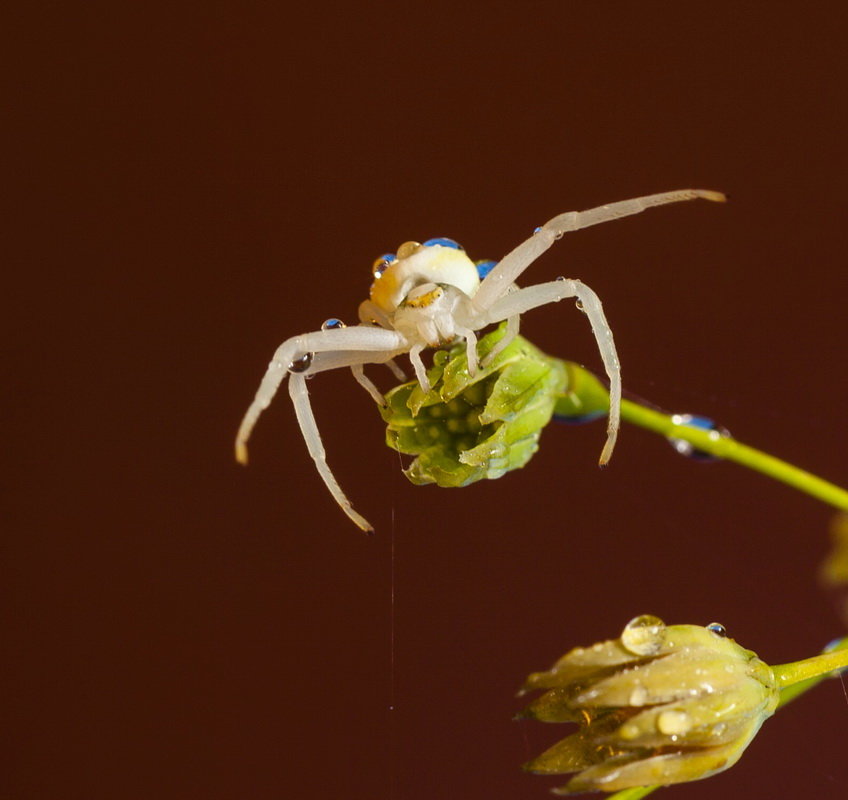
309	428
371	314
418	366
523	300
470	349
510	267
513	324
338	359
396	370
357	337
366	383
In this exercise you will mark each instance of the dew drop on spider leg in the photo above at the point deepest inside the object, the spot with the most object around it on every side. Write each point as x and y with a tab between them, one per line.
332	324
687	449
301	364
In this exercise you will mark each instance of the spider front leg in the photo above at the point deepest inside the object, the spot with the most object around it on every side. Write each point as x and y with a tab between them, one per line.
329	349
510	267
290	357
517	303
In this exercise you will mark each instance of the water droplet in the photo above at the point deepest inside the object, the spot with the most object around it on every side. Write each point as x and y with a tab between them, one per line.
629	731
536	230
643	636
301	364
718	629
579	306
701	423
332	324
407	249
561	278
443	241
674	723
638	696
484	267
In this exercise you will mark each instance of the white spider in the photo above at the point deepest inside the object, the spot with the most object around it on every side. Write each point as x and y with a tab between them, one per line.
430	295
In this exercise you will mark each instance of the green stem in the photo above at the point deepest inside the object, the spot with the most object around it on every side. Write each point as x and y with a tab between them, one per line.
728	448
812	669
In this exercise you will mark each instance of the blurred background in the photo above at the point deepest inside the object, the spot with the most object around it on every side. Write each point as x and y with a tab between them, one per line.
191	184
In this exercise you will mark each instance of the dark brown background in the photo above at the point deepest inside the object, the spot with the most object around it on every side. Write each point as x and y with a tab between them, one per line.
193	186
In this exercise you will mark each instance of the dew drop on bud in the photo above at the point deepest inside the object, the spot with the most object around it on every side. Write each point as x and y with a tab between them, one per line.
301	364
643	635
674	723
718	629
332	324
639	696
629	731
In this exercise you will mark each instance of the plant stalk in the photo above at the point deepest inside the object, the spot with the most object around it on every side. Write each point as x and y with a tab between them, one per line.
727	448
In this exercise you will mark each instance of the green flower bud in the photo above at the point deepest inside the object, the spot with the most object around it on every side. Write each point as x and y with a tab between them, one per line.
657	706
469	428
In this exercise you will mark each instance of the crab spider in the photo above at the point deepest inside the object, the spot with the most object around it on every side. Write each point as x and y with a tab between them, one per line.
429	295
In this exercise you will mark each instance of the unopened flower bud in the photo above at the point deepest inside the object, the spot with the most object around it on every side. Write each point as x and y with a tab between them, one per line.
659	705
467	428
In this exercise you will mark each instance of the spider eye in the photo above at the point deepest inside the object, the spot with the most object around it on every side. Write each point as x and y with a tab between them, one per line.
382	263
443	242
484	267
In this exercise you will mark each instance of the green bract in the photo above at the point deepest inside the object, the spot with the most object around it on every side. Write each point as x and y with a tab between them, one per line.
468	428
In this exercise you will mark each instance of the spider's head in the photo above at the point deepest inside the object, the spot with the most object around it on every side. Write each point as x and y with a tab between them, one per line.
438	261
